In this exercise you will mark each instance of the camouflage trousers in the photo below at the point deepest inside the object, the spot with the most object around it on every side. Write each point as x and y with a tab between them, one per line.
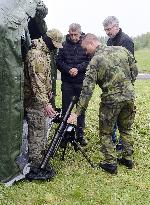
37	135
122	113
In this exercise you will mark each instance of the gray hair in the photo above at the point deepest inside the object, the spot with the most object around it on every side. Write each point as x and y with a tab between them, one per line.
110	20
75	27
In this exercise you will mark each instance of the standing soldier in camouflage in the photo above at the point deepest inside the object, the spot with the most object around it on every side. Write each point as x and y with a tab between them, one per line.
37	92
36	28
114	70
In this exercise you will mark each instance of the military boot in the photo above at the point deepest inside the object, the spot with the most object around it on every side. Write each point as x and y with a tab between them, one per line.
126	162
40	174
111	168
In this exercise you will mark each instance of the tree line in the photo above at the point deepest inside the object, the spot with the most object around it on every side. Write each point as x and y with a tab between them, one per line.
140	42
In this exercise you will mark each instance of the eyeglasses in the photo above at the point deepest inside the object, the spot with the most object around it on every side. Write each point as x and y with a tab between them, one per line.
109	29
74	34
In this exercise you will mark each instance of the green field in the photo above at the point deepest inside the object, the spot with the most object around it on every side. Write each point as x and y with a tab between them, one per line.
143	60
76	183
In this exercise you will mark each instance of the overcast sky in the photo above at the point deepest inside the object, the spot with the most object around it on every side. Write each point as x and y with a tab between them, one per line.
134	16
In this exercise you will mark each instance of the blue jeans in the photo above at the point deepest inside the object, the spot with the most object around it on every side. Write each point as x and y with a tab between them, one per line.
114	137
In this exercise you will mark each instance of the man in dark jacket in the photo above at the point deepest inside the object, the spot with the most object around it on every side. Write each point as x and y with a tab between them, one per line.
117	38
72	62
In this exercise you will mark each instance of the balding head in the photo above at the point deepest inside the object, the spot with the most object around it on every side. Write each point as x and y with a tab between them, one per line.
89	37
90	42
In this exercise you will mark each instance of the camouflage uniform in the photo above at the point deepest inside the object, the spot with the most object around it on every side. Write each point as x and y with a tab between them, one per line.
37	87
114	70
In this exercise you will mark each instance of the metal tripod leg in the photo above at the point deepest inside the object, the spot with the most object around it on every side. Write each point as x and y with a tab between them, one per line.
78	147
63	153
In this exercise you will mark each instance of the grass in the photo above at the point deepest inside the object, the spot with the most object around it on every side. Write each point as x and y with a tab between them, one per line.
143	60
76	183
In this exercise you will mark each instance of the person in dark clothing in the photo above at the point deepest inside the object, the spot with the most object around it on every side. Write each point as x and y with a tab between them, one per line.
72	61
37	26
117	38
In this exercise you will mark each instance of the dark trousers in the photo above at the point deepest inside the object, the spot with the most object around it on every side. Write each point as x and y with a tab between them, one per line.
68	91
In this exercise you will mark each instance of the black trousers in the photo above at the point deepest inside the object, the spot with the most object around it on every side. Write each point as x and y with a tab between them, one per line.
68	91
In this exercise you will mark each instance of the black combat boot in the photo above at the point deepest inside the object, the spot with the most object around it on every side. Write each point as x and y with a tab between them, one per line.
111	168
41	174
126	162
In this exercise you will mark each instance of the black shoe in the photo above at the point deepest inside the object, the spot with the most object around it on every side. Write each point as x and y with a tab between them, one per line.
82	141
40	174
126	162
111	168
119	147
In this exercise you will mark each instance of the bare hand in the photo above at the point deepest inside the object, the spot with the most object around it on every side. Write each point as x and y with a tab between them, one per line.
73	72
49	111
72	119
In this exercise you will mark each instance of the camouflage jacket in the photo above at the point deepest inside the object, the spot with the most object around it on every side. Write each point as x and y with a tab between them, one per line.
37	71
113	68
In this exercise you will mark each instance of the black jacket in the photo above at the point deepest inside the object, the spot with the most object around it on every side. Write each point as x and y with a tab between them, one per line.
70	56
122	39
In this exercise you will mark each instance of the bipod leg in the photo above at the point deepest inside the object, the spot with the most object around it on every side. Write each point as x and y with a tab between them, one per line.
64	142
63	153
77	146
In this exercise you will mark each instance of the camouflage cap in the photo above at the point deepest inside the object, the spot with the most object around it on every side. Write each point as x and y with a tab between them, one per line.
56	37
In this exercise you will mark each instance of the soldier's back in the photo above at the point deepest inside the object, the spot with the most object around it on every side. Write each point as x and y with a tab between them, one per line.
115	80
